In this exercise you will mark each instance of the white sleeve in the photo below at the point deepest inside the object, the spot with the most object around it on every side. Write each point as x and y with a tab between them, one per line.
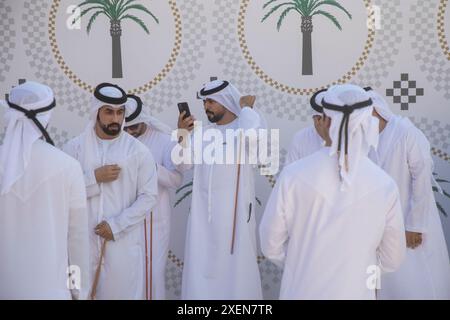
182	155
420	167
147	192
392	248
78	231
273	229
92	187
250	119
168	175
294	153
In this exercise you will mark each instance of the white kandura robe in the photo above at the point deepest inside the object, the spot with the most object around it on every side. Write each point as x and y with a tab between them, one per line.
325	238
404	153
44	229
125	203
160	145
305	142
210	271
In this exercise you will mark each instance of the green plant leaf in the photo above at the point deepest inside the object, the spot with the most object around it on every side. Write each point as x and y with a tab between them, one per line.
329	16
332	3
441	209
282	16
137	20
92	19
276	8
182	198
138	7
184	186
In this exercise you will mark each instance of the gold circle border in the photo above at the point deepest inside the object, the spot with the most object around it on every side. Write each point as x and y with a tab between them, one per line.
298	91
83	85
441	28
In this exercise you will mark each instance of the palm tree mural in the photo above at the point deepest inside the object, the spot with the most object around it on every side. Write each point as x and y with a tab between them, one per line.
307	9
116	11
444	193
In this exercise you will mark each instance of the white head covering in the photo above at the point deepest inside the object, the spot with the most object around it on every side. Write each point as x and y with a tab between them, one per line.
105	94
90	159
362	127
316	102
132	110
380	105
224	93
21	131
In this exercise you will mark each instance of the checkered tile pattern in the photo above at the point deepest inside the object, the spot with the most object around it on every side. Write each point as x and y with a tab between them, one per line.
270	279
173	281
7	36
443	6
176	85
405	91
386	47
437	132
294	107
59	137
37	48
432	60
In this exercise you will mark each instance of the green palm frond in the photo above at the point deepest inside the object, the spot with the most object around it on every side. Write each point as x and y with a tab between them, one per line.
184	186
137	20
186	194
441	209
302	6
329	16
268	3
105	4
137	7
275	8
85	11
331	3
446	193
282	16
92	19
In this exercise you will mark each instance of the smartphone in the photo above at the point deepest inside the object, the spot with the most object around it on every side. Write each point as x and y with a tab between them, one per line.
183	106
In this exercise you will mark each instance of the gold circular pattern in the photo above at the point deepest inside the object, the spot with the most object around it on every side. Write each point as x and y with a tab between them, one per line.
299	91
83	85
441	28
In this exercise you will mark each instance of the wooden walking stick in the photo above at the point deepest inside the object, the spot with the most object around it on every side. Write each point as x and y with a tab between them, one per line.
97	272
146	260
237	192
151	255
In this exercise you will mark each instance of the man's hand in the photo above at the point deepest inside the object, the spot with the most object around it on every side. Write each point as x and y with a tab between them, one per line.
107	173
184	127
247	101
413	239
187	124
322	125
104	230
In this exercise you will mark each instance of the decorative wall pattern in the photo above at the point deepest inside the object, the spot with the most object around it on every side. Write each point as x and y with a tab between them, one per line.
405	55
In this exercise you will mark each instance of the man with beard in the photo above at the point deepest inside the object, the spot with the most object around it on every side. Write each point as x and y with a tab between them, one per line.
156	136
121	186
220	260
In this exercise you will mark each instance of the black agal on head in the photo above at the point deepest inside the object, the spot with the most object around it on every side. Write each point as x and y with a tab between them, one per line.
107	99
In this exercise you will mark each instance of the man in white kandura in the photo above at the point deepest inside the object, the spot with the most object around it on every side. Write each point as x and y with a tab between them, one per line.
404	153
156	136
220	259
310	139
334	220
121	186
43	217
